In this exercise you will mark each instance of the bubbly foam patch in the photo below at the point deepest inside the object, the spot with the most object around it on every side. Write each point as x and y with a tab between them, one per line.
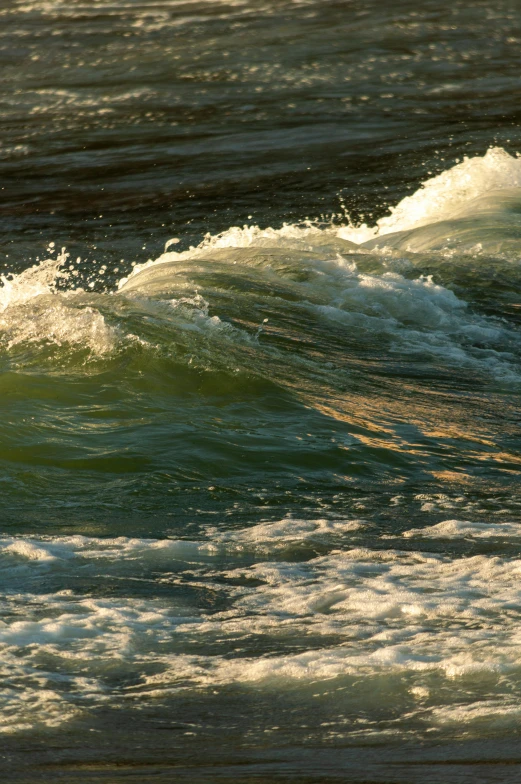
462	529
420	317
283	534
426	627
123	551
55	549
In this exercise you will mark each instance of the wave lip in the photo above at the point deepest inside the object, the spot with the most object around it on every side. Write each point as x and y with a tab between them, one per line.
448	195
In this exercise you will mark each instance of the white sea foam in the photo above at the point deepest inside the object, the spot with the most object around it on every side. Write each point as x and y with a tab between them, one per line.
32	310
281	535
446	195
55	549
399	617
36	281
504	714
124	551
463	529
419	317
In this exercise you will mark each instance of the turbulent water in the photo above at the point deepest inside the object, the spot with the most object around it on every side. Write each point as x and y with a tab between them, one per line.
260	372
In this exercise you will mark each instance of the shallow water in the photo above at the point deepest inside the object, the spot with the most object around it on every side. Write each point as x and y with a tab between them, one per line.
261	375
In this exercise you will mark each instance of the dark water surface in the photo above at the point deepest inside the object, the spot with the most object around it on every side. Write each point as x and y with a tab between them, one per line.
260	375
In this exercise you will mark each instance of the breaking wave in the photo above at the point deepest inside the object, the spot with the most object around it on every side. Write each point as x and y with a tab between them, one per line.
265	371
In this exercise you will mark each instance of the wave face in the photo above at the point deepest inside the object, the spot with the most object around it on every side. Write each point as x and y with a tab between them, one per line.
282	462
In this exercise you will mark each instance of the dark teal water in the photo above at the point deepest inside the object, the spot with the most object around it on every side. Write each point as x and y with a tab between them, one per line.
260	375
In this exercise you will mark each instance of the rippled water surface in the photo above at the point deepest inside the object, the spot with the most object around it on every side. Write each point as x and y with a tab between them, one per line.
260	374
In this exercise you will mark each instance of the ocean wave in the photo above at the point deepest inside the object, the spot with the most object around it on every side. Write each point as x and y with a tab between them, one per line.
247	282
